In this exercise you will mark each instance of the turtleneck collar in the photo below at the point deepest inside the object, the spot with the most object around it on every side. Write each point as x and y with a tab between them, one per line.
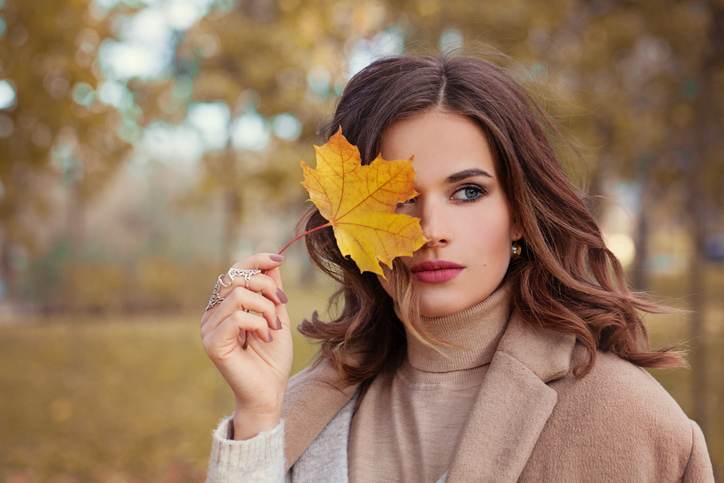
477	328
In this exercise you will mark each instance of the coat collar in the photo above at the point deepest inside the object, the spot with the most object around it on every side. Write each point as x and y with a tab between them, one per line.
512	406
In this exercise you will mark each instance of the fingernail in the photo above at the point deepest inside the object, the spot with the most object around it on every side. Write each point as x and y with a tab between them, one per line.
276	257
282	296
279	323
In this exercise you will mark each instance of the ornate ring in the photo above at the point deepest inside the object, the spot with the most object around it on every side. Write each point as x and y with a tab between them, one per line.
233	273
247	273
216	297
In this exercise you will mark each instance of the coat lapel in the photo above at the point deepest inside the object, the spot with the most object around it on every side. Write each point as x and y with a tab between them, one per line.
513	404
313	397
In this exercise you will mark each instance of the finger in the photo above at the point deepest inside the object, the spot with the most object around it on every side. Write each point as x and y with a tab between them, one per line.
257	283
276	275
243	339
231	327
262	261
244	300
260	327
238	299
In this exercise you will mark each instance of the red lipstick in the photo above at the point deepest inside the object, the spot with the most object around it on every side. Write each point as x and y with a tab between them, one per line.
436	271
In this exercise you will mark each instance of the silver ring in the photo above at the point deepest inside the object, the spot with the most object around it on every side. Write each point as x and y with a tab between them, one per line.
221	281
216	297
233	273
247	273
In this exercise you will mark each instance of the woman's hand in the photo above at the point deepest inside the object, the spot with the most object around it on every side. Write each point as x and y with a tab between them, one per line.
257	374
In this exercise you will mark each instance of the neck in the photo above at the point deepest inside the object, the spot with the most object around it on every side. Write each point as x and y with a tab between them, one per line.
476	329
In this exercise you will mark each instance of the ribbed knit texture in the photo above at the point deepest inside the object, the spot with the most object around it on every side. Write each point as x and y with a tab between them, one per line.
407	425
259	459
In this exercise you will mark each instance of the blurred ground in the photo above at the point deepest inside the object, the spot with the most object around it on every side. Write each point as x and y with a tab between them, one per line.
116	399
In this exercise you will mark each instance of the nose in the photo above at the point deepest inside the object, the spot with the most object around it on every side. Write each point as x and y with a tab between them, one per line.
434	226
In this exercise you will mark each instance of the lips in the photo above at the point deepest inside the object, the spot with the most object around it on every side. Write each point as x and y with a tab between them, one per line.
437	276
436	271
434	265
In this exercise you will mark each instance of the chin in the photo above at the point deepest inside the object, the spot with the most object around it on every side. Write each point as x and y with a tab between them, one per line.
431	308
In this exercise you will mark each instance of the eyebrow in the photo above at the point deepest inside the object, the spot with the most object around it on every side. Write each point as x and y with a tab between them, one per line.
467	173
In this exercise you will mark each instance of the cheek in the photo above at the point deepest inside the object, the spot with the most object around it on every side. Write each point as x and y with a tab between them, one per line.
491	235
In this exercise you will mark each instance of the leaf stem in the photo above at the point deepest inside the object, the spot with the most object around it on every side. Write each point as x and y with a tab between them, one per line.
286	245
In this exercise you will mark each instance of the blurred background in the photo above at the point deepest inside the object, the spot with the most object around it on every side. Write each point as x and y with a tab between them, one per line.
147	144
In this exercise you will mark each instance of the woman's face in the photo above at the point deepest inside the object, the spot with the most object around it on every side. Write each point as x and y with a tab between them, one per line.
466	218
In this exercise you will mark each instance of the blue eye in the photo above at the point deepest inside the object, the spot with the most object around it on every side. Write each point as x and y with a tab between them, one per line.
472	191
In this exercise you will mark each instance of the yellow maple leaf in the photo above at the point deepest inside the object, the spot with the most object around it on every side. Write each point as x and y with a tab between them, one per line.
359	203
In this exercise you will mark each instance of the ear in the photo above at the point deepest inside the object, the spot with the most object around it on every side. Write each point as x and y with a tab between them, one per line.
516	231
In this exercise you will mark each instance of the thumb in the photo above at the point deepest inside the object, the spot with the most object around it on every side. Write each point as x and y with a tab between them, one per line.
276	275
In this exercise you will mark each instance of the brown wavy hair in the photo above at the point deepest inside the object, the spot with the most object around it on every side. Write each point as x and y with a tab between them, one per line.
565	279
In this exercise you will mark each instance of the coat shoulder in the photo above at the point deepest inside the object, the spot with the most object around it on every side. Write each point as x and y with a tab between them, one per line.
620	408
617	420
616	391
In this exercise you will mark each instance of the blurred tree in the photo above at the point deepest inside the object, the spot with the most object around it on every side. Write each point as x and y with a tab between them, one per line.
56	134
610	71
258	58
704	169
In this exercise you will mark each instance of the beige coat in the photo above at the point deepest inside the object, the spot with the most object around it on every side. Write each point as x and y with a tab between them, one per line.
532	421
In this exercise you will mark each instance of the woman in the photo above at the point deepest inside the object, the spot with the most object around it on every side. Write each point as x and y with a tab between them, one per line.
508	348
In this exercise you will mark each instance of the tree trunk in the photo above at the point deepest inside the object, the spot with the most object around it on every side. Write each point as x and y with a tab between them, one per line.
704	139
7	269
699	357
639	273
232	216
75	219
